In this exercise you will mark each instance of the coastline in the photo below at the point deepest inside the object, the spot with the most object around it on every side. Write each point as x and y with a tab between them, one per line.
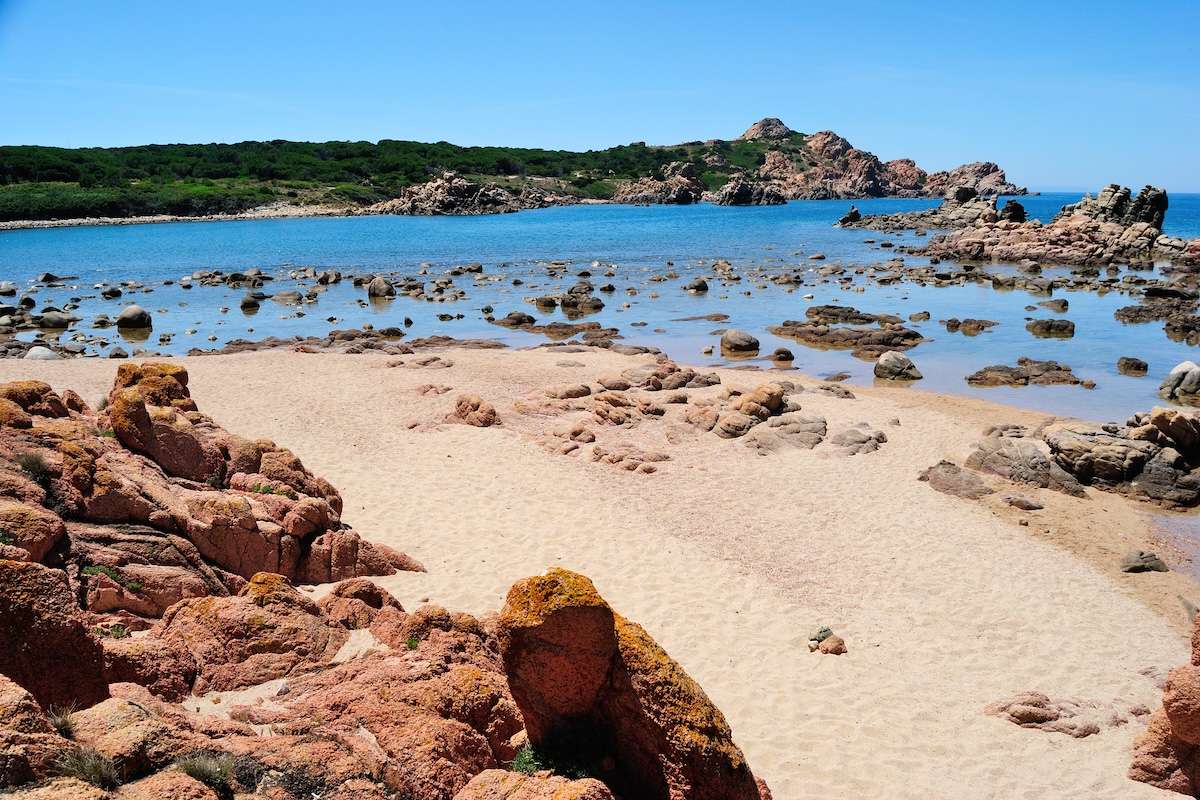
729	558
274	211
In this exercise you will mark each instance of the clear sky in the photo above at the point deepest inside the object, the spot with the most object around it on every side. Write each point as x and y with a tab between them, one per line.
1067	95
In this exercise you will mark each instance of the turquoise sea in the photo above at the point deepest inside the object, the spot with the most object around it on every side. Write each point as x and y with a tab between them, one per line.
639	242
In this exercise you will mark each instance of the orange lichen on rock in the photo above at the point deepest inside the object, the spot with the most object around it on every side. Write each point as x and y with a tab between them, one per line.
596	688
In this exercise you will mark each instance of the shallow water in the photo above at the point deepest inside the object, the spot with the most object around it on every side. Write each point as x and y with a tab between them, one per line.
638	242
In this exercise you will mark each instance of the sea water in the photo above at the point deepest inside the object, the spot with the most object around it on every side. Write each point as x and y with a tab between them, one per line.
638	243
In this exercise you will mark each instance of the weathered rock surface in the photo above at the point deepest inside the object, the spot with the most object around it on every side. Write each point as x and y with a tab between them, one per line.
1167	753
268	631
160	503
895	366
47	647
741	191
949	478
499	784
595	687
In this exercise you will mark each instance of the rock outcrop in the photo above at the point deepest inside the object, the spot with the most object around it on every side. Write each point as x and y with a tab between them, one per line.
47	647
1107	229
1167	753
453	194
1154	457
424	710
679	185
150	502
594	688
984	177
741	191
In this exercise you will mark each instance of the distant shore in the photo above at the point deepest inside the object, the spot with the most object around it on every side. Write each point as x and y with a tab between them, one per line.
273	211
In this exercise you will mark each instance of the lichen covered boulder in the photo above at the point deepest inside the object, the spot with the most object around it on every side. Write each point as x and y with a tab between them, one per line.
48	649
595	688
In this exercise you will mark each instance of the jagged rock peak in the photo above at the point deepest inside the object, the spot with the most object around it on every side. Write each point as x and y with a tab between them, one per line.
767	128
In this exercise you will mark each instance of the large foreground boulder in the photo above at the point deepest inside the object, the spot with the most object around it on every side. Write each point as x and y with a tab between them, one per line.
46	647
595	689
1167	753
268	631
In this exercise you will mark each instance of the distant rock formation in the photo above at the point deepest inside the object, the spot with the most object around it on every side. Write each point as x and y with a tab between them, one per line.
1111	227
960	208
453	194
986	178
824	166
678	186
1114	204
768	128
744	192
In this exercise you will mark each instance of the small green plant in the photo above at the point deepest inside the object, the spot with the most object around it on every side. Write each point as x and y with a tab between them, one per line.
412	643
215	481
212	769
89	765
101	570
113	631
133	586
526	761
102	404
63	720
266	488
6	537
108	433
35	466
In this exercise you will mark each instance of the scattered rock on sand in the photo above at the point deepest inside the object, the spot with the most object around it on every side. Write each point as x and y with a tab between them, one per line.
474	410
857	439
1076	718
949	478
1142	561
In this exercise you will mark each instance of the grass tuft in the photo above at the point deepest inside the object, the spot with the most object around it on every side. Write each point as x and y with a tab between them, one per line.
63	720
90	766
212	769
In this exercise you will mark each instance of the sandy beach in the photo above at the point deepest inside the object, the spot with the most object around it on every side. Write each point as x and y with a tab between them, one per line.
730	559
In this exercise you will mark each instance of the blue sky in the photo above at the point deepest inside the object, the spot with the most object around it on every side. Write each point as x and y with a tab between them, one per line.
1066	95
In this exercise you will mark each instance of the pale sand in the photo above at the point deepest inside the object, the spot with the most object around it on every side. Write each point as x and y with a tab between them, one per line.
729	559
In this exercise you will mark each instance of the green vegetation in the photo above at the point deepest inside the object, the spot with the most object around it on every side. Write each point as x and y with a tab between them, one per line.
196	179
113	630
116	576
35	466
526	761
90	766
214	770
6	537
412	643
63	720
266	488
568	760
